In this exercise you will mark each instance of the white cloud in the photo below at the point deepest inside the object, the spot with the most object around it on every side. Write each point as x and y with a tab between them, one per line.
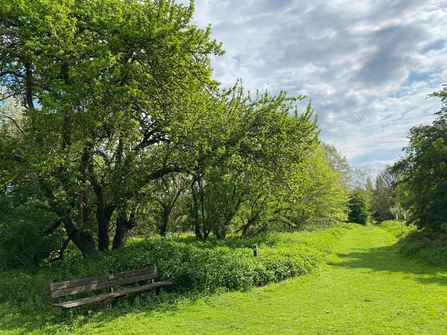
366	65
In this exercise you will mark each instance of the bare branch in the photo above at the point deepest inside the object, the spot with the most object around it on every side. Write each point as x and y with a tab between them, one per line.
16	124
3	98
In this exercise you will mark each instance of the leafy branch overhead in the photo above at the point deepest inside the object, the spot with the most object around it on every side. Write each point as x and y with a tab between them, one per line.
112	124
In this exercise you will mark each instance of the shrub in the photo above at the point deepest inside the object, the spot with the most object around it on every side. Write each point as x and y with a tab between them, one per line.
23	242
192	267
421	244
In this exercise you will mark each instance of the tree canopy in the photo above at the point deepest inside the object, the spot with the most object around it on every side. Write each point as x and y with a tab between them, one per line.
422	172
111	123
106	86
384	196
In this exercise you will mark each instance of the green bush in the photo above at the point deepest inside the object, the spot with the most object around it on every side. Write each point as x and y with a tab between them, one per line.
25	291
23	242
397	228
424	245
192	267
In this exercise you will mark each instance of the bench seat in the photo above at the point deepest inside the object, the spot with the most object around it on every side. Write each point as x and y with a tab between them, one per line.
68	288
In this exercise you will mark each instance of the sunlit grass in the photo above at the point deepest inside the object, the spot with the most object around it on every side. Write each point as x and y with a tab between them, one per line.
366	288
194	268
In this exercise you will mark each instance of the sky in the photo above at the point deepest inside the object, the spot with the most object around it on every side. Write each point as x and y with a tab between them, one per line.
367	66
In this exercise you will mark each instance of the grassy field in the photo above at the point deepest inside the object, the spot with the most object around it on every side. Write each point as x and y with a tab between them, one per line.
365	288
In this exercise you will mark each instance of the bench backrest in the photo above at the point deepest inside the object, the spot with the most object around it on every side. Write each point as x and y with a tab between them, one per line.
106	281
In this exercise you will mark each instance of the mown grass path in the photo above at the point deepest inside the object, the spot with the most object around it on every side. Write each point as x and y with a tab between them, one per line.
366	288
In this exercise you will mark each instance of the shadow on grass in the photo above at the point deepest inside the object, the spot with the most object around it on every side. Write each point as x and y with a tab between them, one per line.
387	259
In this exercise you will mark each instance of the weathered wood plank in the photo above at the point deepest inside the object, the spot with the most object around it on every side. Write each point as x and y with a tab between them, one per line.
83	301
91	280
100	285
83	285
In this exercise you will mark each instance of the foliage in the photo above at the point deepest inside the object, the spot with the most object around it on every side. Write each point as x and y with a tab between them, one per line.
424	245
240	175
358	210
422	173
114	125
108	90
23	238
395	228
310	304
319	196
384	195
398	212
191	266
352	178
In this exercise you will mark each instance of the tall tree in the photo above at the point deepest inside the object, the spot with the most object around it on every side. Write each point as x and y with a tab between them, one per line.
107	87
358	209
324	197
244	157
383	196
351	177
423	172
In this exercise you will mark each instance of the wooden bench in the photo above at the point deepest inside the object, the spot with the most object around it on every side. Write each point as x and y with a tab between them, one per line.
71	287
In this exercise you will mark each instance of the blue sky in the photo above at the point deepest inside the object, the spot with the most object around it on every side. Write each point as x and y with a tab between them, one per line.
367	65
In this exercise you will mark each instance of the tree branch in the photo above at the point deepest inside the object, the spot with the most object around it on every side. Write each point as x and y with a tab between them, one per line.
9	72
161	172
54	226
61	251
3	98
16	124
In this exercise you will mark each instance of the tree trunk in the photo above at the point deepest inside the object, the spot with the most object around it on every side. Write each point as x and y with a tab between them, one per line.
165	219
85	242
120	238
103	216
103	235
197	229
249	223
123	226
204	220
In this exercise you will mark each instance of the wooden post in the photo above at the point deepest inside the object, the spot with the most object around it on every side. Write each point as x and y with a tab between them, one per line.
255	250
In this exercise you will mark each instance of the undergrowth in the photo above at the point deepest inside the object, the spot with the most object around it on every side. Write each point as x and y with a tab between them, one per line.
420	244
194	268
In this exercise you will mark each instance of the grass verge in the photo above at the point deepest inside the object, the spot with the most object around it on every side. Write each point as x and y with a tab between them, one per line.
419	244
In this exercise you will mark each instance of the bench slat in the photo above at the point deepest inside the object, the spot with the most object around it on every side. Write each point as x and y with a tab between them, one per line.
79	302
97	279
100	285
72	287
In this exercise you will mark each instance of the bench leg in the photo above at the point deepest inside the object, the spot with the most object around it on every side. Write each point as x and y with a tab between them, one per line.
157	290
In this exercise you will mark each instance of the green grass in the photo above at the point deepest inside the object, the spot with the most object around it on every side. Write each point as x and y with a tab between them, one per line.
419	244
366	287
194	268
